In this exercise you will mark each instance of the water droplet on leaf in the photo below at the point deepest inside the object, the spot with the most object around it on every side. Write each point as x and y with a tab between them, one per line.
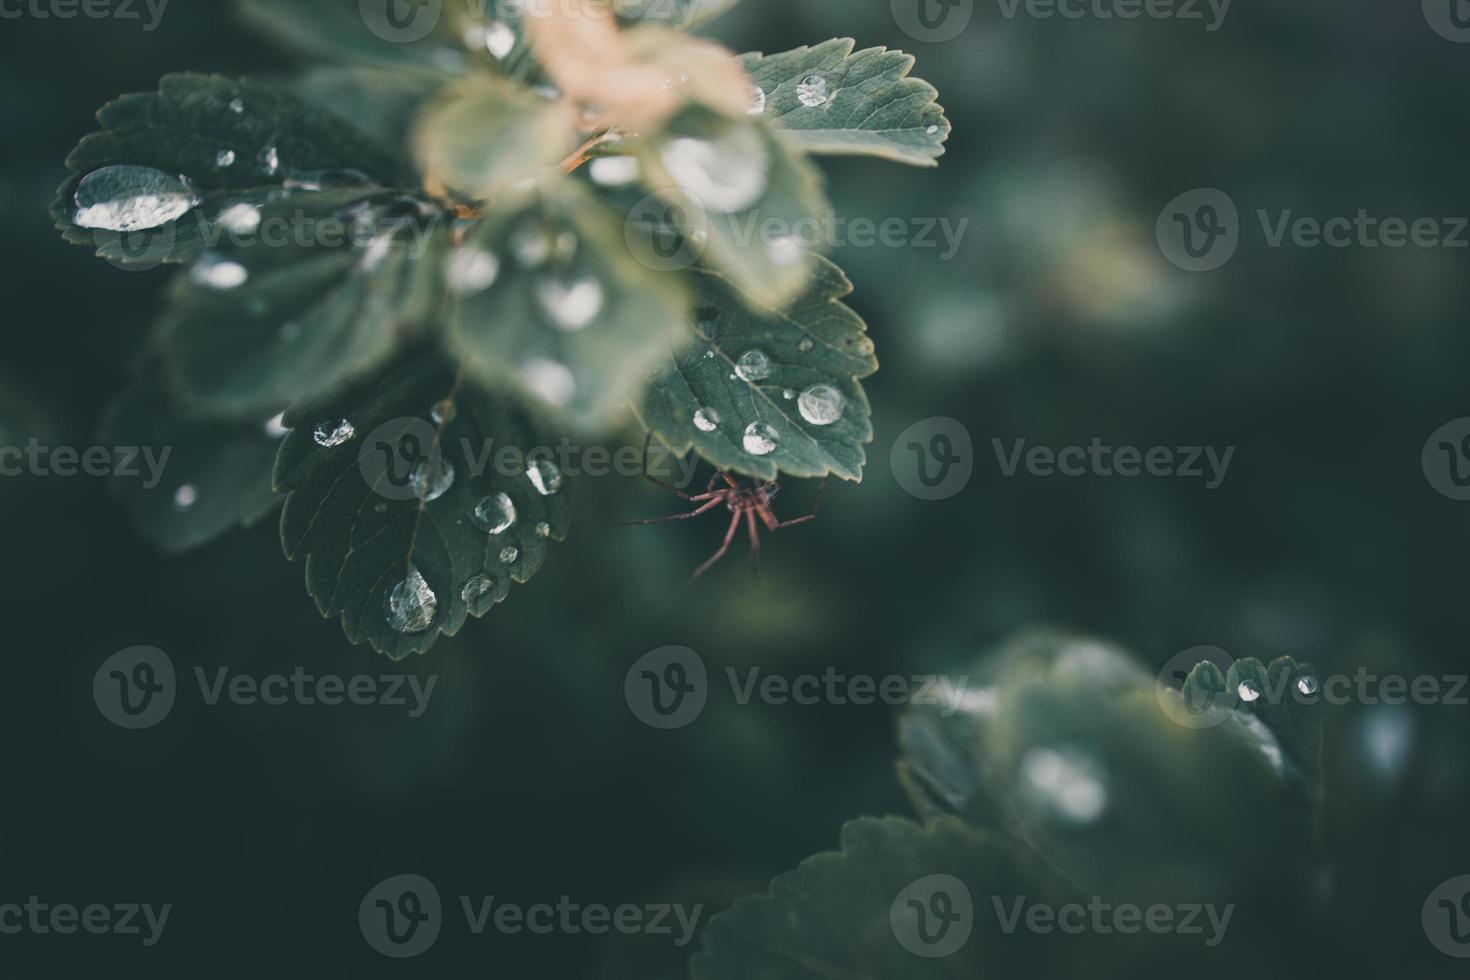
706	420
496	514
570	303
544	476
821	404
329	435
126	198
760	439
753	365
812	91
412	604
472	270
727	174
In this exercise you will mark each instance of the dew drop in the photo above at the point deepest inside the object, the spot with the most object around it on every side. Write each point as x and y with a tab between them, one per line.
443	412
807	345
412	604
509	555
237	106
1067	783
471	270
1308	684
276	427
613	171
543	530
812	92
495	514
760	439
214	272
570	303
932	130
753	365
329	435
551	381
479	594
239	219
789	394
530	245
757	104
432	479
270	161
185	497
544	476
821	404
126	198
224	158
706	420
727	174
1248	691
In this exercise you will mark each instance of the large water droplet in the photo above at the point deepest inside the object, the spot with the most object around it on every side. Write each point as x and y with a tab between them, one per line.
570	303
812	91
760	439
270	161
757	104
1066	782
471	270
1308	684
530	244
412	604
432	478
726	174
821	404
544	476
479	594
753	365
126	198
239	219
185	497
551	381
216	272
1248	691
329	435
613	171
706	420
496	514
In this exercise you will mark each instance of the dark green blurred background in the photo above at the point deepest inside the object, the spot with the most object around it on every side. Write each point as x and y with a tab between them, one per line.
1058	321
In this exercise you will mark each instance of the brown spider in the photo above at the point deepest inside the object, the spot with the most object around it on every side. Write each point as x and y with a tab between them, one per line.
745	503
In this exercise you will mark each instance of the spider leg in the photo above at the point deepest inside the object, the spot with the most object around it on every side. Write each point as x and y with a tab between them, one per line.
703	508
647	441
755	541
813	515
725	547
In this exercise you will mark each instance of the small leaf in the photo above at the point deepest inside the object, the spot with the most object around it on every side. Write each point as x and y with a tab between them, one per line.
550	302
211	476
150	186
768	391
321	288
829	99
416	501
852	914
484	135
741	196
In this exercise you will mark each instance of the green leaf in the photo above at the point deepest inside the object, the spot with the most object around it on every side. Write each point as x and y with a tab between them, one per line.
384	539
1276	707
212	476
569	316
779	370
150	186
841	915
484	135
742	198
327	286
830	99
384	104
